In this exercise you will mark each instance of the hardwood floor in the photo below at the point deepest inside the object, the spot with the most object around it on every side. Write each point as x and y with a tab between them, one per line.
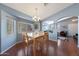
60	48
67	48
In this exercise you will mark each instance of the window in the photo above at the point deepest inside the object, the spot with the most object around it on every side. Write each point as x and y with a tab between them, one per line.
10	25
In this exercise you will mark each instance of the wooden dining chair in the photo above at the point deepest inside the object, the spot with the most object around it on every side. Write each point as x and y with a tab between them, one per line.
26	41
25	37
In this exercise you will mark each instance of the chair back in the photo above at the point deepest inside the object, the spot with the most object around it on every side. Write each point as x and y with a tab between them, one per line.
25	37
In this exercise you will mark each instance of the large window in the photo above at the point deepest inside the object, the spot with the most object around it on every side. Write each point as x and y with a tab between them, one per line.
10	25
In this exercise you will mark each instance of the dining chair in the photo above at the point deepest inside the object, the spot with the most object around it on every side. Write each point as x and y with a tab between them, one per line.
25	37
26	42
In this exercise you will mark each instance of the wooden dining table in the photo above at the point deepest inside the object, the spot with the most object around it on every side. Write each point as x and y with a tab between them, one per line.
38	41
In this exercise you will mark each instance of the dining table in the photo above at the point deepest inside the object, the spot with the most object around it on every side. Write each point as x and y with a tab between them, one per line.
38	40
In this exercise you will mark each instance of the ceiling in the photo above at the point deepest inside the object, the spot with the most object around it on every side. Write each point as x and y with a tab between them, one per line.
44	9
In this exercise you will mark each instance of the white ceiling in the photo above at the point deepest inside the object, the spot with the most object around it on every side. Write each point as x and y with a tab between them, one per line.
43	11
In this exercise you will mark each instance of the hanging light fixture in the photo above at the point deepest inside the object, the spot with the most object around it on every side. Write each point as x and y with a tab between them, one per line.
36	17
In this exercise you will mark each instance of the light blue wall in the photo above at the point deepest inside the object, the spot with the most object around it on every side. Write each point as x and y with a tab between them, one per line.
6	40
69	11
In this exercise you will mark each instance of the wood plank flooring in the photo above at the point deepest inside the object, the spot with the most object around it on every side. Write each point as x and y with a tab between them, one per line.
59	48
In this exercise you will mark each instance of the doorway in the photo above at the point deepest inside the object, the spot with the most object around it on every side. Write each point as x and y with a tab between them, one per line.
69	27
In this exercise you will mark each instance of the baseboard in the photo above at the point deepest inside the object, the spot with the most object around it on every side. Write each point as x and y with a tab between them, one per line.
10	47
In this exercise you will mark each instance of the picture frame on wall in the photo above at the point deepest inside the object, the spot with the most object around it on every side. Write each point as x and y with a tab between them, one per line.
10	25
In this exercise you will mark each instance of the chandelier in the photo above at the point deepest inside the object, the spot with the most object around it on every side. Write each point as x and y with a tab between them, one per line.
36	17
